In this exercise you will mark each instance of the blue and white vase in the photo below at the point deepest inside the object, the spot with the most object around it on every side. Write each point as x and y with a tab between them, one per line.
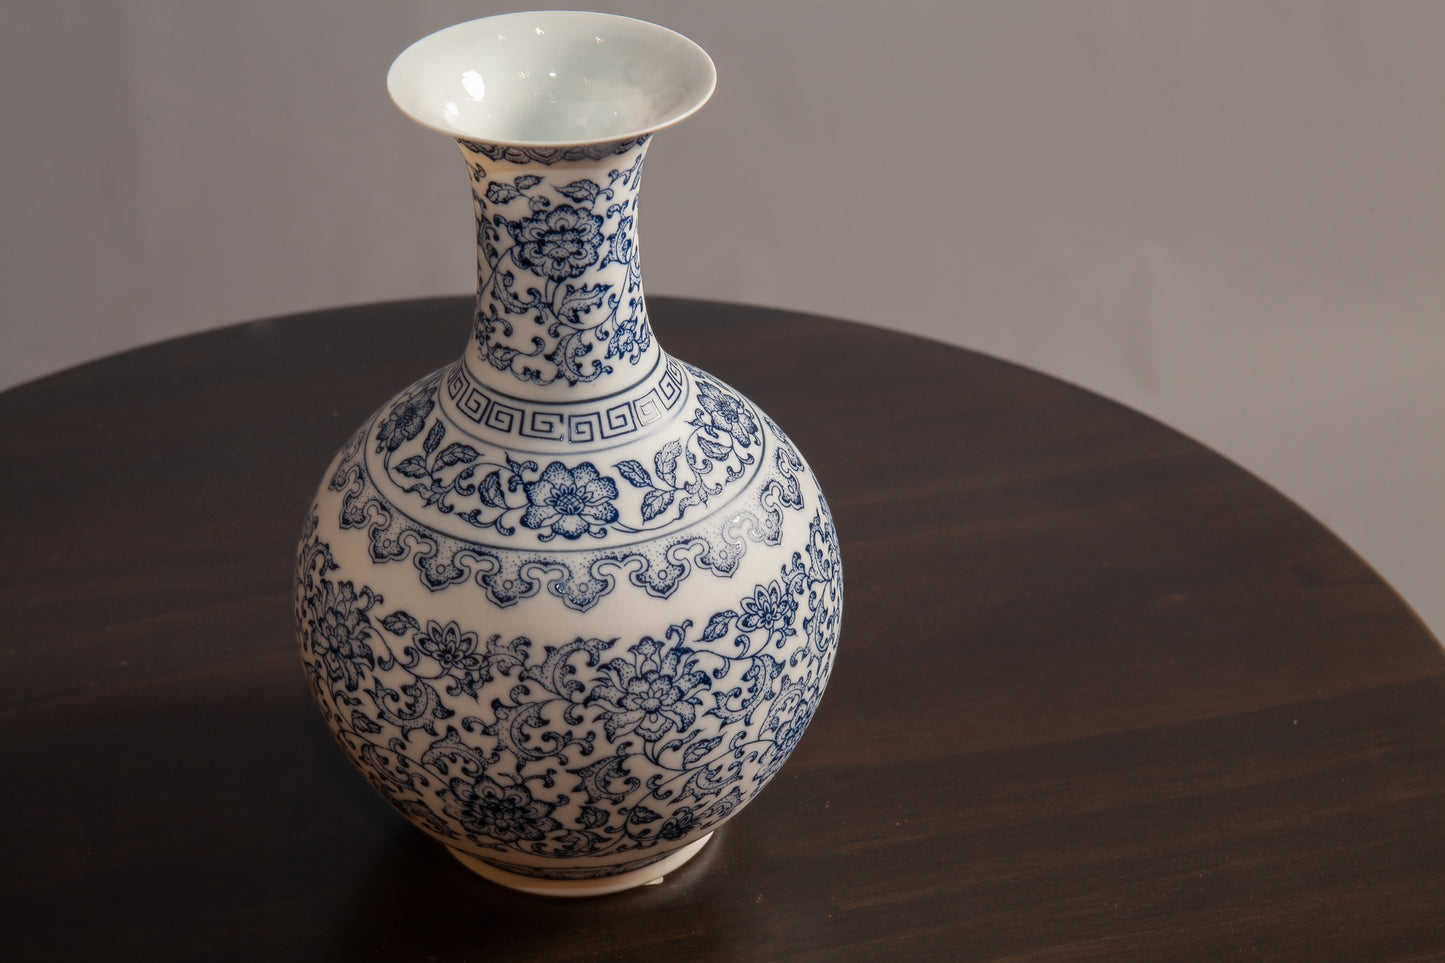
568	603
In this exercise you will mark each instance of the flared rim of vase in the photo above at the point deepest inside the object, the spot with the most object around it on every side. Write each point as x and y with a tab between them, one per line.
551	78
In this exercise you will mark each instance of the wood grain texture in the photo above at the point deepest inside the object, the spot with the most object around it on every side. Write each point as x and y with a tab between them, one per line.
1100	693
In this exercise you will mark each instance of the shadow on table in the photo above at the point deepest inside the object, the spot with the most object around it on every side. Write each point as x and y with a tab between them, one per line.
418	902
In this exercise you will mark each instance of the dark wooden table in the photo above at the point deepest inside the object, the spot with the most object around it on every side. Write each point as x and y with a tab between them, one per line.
1100	693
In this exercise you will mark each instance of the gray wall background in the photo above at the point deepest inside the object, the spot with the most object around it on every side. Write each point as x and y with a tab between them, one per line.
1229	214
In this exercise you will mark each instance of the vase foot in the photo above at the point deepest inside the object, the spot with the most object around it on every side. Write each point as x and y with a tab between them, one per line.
599	886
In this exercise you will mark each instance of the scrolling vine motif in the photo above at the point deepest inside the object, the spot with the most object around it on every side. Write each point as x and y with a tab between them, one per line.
569	506
493	490
558	271
495	743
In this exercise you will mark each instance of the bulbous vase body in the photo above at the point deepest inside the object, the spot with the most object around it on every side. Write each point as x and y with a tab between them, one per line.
568	603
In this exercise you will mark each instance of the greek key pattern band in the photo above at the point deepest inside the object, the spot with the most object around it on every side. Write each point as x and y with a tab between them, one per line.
614	418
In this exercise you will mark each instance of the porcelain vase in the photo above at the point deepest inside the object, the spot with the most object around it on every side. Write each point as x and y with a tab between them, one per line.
568	603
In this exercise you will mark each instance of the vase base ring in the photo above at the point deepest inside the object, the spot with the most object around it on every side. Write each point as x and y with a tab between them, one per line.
600	886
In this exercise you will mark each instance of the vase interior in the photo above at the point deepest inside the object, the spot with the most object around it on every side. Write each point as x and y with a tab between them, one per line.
551	78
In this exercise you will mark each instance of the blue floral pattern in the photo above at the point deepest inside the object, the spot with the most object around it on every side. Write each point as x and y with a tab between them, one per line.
721	412
589	746
486	809
558	244
559	289
405	420
340	630
570	502
730	454
652	693
447	576
494	490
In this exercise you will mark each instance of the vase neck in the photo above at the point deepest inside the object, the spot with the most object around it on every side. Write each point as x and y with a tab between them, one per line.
560	313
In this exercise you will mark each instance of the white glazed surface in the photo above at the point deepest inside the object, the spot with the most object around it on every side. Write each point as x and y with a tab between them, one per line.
551	78
568	603
615	694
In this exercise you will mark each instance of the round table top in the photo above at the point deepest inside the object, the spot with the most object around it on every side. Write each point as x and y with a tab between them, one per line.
1100	693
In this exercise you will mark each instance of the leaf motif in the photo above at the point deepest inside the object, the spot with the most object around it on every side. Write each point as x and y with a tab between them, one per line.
657	501
700	749
578	299
641	814
457	454
413	467
400	623
500	357
434	437
665	462
527	181
607	779
557	673
713	450
502	290
361	723
583	190
490	491
635	474
717	626
511	729
499	193
620	247
538	203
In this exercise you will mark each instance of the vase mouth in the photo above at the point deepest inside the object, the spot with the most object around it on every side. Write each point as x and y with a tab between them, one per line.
551	78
